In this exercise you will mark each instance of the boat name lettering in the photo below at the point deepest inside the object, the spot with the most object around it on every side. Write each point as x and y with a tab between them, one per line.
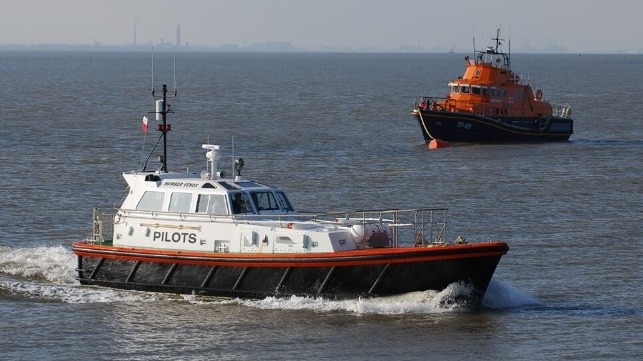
181	184
174	237
465	125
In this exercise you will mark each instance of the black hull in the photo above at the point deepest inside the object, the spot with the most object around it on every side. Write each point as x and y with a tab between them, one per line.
466	127
374	276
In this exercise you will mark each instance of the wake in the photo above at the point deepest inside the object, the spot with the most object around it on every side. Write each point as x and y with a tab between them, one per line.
48	273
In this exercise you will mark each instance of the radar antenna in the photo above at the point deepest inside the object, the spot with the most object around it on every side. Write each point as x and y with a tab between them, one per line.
497	39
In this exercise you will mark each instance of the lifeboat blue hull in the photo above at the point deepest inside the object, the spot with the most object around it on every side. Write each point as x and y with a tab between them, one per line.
359	274
467	127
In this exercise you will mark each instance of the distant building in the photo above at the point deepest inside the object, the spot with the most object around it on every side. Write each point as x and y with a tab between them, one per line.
178	36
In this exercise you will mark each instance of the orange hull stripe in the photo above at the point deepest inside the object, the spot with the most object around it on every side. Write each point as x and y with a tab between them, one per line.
348	258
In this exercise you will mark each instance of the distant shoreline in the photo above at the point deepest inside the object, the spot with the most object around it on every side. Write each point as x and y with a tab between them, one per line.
277	47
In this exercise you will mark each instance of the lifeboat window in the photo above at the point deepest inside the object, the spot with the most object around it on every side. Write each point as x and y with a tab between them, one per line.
264	201
240	203
493	92
464	89
151	201
484	90
211	204
283	201
475	89
180	202
456	89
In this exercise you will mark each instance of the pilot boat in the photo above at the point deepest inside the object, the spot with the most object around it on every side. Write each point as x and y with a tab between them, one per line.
219	233
491	104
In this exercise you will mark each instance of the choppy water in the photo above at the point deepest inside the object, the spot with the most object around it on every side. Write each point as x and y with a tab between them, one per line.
334	131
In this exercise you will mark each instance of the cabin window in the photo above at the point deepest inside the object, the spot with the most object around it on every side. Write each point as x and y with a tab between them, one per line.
151	201
455	89
498	92
212	204
264	201
180	202
247	184
283	201
228	186
485	90
464	89
475	89
240	203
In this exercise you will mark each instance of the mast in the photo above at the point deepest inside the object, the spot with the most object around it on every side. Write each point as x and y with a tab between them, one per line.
509	54
162	108
497	39
161	111
165	127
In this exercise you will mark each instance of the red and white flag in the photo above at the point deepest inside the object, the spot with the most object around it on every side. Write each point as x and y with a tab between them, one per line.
144	124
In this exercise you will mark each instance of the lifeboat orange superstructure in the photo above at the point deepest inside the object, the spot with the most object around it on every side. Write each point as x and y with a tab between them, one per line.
491	103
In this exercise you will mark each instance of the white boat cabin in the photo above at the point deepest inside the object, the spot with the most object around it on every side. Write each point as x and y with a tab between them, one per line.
180	193
207	212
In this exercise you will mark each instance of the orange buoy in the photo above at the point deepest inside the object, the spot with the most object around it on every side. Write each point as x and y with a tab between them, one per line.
435	144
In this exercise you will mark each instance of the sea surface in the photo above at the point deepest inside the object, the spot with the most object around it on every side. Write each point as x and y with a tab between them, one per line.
334	131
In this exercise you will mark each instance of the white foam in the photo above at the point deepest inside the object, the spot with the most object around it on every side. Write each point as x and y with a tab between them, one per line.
78	293
413	302
48	273
53	264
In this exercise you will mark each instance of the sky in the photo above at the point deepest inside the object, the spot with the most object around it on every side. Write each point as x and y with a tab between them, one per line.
388	25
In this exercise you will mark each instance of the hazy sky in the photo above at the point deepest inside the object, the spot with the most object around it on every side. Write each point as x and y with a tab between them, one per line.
577	25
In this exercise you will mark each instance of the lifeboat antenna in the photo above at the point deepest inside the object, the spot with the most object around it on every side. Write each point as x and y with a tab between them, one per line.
473	34
474	46
509	55
497	39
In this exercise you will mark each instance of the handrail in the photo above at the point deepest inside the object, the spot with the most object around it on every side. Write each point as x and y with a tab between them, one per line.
561	110
419	225
447	104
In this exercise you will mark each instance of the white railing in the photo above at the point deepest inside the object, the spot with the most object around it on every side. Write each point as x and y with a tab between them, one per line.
561	110
419	226
102	226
